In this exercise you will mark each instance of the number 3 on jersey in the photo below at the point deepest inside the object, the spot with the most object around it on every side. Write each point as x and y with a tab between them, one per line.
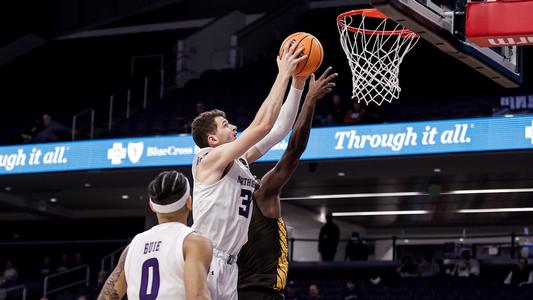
149	280
246	198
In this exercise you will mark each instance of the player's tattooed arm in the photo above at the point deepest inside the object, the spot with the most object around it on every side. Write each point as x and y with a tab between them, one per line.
115	285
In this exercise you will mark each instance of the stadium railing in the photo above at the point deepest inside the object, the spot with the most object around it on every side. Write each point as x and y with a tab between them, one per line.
68	281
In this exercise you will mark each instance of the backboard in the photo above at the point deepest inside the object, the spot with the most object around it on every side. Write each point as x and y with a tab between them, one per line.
442	23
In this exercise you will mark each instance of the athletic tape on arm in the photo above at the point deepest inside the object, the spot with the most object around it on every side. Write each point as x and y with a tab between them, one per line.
284	123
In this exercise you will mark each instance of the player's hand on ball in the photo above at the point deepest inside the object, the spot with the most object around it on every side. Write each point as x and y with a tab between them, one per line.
288	62
299	81
321	86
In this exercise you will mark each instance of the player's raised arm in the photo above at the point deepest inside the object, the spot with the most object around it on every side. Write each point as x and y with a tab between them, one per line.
115	286
275	179
263	122
197	252
284	122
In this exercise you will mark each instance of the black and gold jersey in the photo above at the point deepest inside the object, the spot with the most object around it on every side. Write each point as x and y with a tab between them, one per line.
263	260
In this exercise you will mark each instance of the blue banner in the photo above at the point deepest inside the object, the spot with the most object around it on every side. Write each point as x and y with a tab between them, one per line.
434	137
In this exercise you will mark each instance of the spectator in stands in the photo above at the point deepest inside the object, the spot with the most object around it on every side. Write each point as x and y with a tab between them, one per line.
328	239
336	111
467	266
199	108
78	260
350	291
65	264
52	131
82	297
407	268
356	249
428	267
314	292
29	134
520	275
46	268
10	274
292	292
356	114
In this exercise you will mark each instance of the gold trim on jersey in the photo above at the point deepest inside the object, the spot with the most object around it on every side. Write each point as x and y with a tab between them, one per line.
283	263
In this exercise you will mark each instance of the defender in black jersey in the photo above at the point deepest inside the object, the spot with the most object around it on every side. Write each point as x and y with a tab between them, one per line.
263	260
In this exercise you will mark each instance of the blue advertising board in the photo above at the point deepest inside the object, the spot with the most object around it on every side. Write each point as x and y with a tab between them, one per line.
417	138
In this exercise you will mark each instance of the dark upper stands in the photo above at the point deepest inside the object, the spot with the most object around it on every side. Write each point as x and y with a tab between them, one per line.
102	67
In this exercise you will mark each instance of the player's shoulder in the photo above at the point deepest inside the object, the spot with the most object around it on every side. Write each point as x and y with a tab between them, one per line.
201	154
196	240
198	158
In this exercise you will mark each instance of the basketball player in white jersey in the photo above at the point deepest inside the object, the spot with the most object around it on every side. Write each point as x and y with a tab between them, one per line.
169	261
223	184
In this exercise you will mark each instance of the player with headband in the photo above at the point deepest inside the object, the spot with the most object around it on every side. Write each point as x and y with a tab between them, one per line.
168	261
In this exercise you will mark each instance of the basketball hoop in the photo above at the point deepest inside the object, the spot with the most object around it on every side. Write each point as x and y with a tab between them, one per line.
375	49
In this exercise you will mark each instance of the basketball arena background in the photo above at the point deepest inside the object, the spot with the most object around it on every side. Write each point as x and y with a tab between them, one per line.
97	98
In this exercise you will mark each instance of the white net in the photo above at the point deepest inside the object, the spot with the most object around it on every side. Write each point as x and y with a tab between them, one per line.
375	48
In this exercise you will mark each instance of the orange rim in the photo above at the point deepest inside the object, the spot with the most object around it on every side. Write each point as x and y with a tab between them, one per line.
376	14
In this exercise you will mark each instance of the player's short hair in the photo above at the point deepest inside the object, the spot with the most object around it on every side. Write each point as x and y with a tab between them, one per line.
203	125
167	187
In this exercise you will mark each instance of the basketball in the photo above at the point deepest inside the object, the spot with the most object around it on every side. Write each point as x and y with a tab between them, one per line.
312	48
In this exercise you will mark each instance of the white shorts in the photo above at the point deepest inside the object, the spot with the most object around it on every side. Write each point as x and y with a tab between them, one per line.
223	276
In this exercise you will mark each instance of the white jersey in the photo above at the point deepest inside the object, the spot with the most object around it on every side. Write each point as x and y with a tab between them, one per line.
222	210
154	264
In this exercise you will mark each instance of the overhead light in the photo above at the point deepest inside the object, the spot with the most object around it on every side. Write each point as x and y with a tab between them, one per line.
406	241
436	170
495	210
125	197
508	115
410	194
461	240
7	188
341	174
488	191
87	185
53	200
360	195
379	213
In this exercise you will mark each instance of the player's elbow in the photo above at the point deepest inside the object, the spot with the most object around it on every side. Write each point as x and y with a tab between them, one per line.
262	129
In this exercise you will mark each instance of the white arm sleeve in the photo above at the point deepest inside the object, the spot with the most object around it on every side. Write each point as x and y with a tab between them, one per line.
284	122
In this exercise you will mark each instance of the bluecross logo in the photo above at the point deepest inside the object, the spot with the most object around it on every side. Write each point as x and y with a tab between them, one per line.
116	154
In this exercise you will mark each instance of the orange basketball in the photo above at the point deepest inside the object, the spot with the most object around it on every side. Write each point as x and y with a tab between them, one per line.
312	48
